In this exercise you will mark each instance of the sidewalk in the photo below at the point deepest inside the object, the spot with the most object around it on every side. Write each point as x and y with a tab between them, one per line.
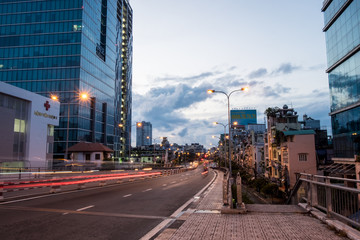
203	220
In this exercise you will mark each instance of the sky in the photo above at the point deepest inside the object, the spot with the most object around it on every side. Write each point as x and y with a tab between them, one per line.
182	48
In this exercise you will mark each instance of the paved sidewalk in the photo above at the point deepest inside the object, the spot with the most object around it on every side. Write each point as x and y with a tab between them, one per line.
203	220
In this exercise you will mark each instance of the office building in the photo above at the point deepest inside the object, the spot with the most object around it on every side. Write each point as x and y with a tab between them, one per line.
143	134
342	31
63	48
26	128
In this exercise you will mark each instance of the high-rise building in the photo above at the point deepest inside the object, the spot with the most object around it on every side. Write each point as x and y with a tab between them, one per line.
61	48
342	31
143	134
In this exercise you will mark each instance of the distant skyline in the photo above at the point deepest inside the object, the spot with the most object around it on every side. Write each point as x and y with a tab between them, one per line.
182	48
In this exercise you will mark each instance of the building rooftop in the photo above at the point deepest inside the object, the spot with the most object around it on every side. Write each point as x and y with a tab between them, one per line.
89	147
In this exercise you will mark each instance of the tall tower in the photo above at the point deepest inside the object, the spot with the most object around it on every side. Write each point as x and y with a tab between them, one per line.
342	24
61	48
143	134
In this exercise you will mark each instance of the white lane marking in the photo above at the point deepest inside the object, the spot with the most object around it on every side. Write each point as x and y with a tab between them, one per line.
65	213
173	216
164	185
84	208
149	189
128	195
173	182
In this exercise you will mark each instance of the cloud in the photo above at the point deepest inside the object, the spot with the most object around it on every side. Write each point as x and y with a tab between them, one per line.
276	91
286	68
161	106
317	67
183	132
258	73
200	76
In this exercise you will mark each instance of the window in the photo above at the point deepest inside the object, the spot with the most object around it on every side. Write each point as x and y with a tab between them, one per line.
50	131
97	156
19	125
302	157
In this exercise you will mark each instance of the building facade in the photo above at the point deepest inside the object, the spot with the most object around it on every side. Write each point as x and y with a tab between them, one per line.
27	128
342	24
65	47
288	149
143	134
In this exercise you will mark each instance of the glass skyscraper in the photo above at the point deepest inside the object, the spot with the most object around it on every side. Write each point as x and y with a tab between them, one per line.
143	134
342	31
63	47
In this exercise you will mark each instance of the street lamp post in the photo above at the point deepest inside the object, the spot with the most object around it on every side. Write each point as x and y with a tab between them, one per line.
83	96
224	125
224	151
139	124
229	124
153	139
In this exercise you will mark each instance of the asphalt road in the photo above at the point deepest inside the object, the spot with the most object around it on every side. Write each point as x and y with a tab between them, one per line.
122	211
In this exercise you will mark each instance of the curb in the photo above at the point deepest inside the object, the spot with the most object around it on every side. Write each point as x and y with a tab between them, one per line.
339	226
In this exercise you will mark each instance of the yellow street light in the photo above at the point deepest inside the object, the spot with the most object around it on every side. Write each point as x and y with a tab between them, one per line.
82	97
210	91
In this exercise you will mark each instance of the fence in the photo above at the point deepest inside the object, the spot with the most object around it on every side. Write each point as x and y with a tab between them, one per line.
337	197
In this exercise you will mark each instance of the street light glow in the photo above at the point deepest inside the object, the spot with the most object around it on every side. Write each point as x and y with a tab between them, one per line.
139	124
245	89
84	96
210	91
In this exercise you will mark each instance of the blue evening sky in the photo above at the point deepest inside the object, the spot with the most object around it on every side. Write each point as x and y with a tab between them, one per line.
182	48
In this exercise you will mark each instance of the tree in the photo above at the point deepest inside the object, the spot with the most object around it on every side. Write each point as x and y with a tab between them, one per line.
271	111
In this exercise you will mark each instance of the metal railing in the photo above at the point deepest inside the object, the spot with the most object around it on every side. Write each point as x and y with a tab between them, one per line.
337	197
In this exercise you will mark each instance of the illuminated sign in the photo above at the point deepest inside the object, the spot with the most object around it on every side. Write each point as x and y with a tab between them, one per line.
37	113
243	117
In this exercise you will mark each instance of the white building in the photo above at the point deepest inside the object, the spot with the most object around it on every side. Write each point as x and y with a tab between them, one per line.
26	128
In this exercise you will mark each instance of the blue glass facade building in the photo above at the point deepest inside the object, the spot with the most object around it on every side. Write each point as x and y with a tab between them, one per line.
342	31
63	47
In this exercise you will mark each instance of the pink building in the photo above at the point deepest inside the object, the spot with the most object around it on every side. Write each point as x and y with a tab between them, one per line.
298	153
288	149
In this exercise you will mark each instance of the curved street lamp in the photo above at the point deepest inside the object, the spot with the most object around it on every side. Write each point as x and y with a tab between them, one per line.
229	125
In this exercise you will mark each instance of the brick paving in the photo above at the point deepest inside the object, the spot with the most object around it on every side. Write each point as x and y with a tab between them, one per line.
203	220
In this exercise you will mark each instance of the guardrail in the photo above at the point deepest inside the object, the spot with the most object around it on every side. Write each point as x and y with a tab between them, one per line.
79	182
338	197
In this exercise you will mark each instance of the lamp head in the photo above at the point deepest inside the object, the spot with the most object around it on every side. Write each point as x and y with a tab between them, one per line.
83	96
210	91
245	89
54	97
